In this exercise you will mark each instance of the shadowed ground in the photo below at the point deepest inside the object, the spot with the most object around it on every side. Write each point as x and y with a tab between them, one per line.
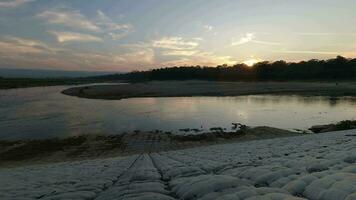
26	152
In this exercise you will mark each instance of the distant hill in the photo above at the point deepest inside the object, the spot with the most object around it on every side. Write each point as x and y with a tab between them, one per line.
41	73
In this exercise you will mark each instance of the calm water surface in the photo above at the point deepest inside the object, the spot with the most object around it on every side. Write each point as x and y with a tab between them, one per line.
44	112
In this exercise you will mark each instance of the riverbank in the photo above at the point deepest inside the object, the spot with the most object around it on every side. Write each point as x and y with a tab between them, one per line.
14	83
343	125
29	152
211	88
312	166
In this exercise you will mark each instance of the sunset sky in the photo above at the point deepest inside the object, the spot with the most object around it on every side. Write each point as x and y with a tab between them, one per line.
126	35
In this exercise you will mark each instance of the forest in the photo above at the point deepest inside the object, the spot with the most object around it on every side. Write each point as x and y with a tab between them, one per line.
339	68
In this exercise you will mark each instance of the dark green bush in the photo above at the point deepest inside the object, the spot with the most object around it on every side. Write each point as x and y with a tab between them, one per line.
346	124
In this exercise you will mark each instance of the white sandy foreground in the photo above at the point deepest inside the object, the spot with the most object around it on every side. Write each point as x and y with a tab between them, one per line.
319	167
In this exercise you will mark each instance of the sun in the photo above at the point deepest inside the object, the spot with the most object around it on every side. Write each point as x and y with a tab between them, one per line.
251	62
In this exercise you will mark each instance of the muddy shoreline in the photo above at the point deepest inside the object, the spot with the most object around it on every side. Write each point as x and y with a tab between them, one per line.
211	88
86	147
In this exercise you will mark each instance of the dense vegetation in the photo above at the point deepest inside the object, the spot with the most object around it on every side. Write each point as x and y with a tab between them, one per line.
339	68
340	126
346	125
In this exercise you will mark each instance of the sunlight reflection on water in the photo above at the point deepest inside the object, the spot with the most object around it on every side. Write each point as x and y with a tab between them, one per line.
44	112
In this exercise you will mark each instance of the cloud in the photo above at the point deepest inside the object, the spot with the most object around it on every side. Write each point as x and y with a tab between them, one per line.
115	30
100	24
175	43
75	37
7	47
202	59
73	19
214	60
180	53
185	52
21	52
137	45
28	53
326	34
208	28
25	53
16	45
267	43
136	57
14	3
248	37
109	24
188	52
178	46
309	52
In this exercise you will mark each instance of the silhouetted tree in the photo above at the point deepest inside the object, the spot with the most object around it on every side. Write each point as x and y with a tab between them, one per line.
339	68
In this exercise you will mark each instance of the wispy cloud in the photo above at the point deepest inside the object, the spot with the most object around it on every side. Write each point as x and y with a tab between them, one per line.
251	38
325	34
178	46
136	45
73	19
208	28
16	45
309	52
202	59
27	53
180	53
14	3
136	57
248	37
176	43
77	37
183	51
24	53
115	30
100	24
267	43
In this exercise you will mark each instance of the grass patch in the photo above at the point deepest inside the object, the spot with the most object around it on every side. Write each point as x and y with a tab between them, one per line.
340	126
22	150
346	125
214	134
72	147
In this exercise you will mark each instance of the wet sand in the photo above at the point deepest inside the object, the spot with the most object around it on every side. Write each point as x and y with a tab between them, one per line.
211	88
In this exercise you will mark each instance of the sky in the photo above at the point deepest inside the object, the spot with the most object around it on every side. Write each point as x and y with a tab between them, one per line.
128	35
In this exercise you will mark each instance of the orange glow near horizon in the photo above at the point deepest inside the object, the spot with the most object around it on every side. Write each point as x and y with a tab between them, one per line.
118	36
251	62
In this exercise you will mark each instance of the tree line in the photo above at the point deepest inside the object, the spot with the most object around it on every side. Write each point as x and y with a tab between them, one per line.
339	68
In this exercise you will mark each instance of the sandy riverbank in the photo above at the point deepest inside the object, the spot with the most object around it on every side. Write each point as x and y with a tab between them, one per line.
29	152
211	88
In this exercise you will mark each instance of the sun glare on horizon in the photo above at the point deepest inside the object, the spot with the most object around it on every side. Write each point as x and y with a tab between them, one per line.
251	62
120	36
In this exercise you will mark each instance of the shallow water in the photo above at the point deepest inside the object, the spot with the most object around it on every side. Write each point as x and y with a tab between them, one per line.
44	112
